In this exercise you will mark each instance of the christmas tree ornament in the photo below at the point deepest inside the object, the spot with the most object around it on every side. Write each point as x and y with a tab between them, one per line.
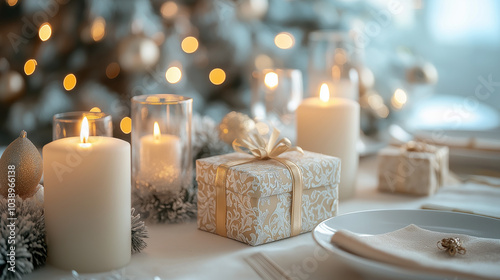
11	86
206	141
252	9
22	157
235	125
425	73
138	53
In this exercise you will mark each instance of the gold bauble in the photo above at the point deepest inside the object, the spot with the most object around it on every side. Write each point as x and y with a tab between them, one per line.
235	125
26	163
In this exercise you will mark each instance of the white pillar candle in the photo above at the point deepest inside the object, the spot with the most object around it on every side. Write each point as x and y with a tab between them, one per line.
160	160
87	184
331	126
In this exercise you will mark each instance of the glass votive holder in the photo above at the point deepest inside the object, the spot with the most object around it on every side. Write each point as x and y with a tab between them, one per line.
69	124
276	94
161	142
331	62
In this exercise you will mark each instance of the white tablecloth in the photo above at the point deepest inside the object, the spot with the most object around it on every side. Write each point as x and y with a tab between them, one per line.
182	251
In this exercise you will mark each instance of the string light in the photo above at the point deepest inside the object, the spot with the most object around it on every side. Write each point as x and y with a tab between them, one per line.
95	110
173	74
217	76
45	31
284	40
98	29
30	66
69	82
189	44
126	125
169	9
112	70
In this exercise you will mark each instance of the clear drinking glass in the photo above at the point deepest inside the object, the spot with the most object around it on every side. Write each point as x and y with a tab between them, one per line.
331	62
69	124
161	142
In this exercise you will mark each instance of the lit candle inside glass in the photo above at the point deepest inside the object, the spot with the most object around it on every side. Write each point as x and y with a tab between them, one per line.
160	159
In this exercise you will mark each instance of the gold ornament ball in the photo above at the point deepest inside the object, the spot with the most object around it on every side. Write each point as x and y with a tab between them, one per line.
27	162
235	125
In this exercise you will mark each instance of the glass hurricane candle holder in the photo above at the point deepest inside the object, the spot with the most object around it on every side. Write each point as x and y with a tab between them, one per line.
331	55
161	142
69	124
276	94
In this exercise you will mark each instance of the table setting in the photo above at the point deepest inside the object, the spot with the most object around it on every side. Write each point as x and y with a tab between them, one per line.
255	139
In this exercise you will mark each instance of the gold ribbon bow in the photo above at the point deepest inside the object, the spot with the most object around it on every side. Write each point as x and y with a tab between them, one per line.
255	145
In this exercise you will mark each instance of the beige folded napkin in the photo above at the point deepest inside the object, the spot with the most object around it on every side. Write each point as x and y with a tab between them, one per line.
416	248
471	198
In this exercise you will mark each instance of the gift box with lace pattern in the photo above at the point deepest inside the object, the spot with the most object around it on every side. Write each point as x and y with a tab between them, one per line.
415	168
258	195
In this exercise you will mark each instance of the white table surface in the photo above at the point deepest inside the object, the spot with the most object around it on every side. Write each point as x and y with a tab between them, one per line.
181	251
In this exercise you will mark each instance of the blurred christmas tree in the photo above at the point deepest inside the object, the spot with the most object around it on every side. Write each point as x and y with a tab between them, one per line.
63	55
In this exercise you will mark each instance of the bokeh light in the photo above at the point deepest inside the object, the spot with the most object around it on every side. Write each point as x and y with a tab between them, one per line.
189	44
263	61
126	125
45	31
98	29
217	76
284	40
11	2
271	80
399	99
112	70
30	66
69	82
169	9
173	74
95	110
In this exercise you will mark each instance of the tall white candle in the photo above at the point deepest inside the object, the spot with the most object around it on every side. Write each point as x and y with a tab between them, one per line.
160	160
331	126
87	203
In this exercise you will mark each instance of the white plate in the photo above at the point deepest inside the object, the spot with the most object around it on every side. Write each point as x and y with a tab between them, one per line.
383	221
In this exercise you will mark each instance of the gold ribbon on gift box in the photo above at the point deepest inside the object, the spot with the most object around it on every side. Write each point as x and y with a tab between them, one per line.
255	145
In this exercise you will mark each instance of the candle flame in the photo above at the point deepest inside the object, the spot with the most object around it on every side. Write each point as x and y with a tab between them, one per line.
84	132
271	80
324	93
156	132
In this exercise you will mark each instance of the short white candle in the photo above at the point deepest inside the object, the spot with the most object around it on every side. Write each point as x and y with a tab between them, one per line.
160	160
87	202
331	126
